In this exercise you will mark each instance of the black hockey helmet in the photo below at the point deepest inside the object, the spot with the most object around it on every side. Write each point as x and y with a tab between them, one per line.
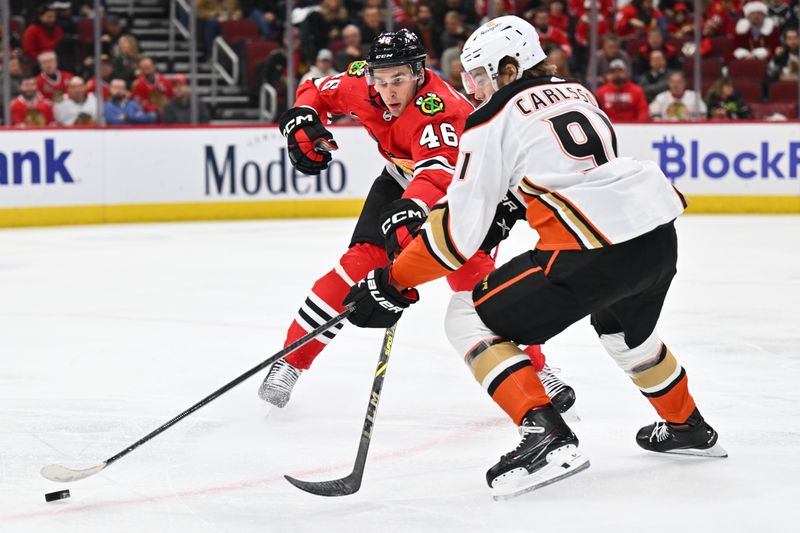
393	48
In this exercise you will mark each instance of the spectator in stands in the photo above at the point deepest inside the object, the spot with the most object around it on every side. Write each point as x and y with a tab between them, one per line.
656	80
638	17
719	19
558	15
454	79
786	63
724	102
610	51
323	26
111	34
106	73
454	34
179	109
121	109
211	14
80	109
756	34
680	23
322	67
424	28
263	12
501	7
780	11
582	35
559	59
466	9
352	50
126	58
655	41
15	74
371	25
52	81
549	35
677	103
153	90
273	70
44	35
620	98
29	108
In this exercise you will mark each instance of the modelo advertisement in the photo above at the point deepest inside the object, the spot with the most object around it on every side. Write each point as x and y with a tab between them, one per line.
40	168
144	166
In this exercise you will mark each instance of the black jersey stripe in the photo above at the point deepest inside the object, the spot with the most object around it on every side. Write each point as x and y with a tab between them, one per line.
311	322
322	314
432	251
682	197
666	389
560	218
448	238
506	373
482	347
583	220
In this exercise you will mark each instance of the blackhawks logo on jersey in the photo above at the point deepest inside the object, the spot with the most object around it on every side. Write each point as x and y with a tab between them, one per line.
430	104
357	68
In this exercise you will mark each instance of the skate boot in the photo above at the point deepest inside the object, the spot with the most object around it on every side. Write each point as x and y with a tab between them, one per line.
548	453
561	395
277	386
694	437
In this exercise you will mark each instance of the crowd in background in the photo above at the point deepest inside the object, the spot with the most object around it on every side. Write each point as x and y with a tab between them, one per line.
644	62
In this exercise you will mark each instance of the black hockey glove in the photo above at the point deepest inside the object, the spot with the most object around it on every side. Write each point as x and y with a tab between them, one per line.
376	302
508	212
400	223
309	143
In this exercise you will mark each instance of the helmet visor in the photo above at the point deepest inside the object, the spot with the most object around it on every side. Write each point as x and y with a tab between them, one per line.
477	79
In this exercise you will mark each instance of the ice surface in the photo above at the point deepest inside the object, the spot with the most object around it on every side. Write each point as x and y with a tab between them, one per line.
106	332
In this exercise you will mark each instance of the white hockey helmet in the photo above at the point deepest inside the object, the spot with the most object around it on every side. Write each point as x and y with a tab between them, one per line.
498	38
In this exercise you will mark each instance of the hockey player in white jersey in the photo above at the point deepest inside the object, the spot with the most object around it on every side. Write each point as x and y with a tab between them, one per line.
607	249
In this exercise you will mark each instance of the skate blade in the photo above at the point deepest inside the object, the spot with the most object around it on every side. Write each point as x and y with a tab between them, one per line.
571	415
715	451
563	465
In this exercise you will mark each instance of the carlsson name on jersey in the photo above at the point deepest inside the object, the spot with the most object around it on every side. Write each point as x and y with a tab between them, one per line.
430	104
383	302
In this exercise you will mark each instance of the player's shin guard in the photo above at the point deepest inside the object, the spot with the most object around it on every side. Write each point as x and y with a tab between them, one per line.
659	376
325	301
500	366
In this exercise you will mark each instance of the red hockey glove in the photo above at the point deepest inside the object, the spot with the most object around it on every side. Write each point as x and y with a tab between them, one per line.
376	302
309	143
400	223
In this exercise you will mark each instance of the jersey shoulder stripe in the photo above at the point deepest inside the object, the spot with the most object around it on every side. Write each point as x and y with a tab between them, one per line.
498	101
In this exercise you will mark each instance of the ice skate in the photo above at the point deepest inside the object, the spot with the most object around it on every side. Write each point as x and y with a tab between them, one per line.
277	386
695	437
548	453
561	395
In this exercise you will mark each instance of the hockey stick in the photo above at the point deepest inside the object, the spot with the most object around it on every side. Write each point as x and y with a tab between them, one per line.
352	482
59	473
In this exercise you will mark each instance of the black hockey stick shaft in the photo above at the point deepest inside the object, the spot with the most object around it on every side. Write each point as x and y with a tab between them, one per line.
352	482
63	474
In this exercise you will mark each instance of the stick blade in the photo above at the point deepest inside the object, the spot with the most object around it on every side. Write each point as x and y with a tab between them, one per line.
337	487
62	474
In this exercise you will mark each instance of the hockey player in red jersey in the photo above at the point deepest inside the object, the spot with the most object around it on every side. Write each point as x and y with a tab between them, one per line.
607	249
416	119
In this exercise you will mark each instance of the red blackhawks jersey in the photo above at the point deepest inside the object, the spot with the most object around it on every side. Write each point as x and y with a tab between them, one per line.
421	144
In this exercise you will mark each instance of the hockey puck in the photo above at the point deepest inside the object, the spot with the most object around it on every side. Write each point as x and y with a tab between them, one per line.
57	495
